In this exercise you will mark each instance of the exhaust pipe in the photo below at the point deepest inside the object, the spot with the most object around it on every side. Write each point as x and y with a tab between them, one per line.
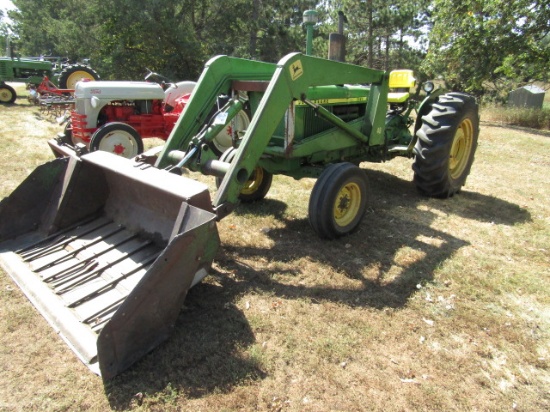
337	41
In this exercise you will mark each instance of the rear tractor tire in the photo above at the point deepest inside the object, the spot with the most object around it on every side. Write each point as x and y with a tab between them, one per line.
338	200
7	94
257	185
447	141
71	75
117	138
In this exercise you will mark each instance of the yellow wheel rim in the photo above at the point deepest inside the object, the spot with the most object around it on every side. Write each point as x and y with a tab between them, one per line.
254	182
347	204
461	149
76	76
5	95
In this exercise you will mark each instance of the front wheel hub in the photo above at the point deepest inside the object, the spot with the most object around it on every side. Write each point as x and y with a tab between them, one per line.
347	204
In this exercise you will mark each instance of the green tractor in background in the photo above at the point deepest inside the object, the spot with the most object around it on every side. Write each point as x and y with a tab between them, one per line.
47	74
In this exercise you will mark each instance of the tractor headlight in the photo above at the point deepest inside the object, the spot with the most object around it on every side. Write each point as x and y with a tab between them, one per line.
428	87
95	102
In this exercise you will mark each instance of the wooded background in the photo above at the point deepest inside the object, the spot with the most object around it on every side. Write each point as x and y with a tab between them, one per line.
484	47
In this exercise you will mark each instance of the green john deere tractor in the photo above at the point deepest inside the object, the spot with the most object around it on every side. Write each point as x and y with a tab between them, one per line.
107	247
35	71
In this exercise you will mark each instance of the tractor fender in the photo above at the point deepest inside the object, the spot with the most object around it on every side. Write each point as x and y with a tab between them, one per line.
177	90
425	106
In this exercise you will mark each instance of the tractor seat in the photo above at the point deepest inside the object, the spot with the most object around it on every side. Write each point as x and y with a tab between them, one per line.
401	82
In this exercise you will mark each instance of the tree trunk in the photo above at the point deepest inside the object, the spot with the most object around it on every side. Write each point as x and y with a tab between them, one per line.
371	39
387	57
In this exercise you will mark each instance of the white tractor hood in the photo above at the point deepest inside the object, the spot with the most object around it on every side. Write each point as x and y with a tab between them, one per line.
118	90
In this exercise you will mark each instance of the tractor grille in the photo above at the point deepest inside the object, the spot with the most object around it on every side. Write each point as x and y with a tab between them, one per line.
313	124
79	124
4	71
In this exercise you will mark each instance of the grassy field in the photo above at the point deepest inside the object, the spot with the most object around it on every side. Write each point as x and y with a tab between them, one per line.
431	305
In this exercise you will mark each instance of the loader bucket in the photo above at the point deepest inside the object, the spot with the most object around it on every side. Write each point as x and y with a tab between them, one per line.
106	249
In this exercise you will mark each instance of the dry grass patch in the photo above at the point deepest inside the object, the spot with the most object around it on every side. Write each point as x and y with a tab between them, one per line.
532	118
430	305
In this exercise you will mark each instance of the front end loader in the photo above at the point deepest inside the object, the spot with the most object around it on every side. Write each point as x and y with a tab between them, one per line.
107	251
108	247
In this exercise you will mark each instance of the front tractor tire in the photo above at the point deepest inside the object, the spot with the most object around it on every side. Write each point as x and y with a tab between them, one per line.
71	75
120	139
7	94
447	141
338	200
257	186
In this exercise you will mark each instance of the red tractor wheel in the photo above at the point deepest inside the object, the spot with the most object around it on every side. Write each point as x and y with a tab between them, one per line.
224	139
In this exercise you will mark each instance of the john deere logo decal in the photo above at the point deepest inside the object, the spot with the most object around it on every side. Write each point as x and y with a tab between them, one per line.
296	70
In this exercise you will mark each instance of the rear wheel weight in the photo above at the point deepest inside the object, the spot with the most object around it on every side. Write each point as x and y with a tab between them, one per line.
338	200
447	141
117	138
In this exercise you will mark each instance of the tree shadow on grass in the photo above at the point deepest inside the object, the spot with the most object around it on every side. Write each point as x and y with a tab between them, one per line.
398	219
203	354
200	357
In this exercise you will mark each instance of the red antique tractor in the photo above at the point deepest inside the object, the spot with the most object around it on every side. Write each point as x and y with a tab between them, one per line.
115	116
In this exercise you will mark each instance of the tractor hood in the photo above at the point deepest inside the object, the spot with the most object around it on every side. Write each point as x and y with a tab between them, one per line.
119	90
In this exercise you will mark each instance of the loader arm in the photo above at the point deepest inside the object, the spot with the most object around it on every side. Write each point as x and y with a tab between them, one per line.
217	77
294	75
